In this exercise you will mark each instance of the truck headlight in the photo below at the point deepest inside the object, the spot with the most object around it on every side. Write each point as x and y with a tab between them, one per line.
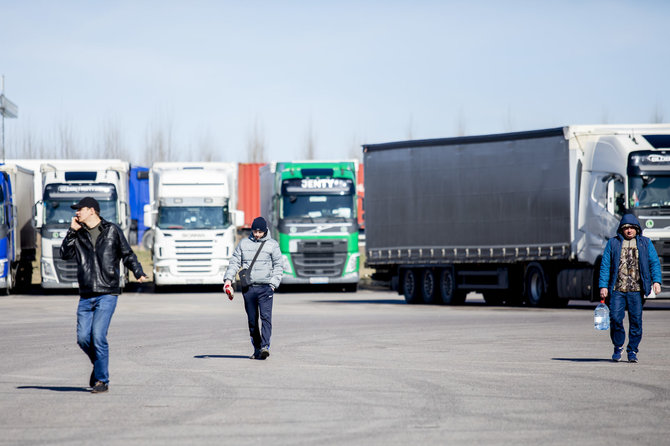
287	264
352	263
47	270
162	269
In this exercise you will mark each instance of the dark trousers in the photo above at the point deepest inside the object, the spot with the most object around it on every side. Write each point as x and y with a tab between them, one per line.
619	303
258	302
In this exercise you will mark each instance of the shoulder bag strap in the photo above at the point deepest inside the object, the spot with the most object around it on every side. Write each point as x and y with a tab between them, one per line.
256	256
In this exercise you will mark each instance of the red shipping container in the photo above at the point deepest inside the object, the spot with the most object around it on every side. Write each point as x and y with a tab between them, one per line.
249	192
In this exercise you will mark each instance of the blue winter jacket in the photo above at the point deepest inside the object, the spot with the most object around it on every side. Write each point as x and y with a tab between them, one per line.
650	266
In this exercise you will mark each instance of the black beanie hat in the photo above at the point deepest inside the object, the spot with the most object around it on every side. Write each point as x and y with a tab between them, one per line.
259	224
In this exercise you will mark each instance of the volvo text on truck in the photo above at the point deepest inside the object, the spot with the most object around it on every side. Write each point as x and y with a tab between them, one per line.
193	220
519	217
311	208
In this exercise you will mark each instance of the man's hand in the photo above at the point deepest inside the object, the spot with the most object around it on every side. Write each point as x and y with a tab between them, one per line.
228	289
74	224
143	278
657	288
603	293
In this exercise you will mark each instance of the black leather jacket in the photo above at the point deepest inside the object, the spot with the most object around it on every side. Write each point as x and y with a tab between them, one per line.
98	267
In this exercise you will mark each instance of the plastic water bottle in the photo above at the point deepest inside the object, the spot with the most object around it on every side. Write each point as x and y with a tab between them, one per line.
601	317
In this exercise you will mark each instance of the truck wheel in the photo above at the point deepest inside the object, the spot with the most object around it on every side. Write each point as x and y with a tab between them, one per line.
428	286
24	276
132	237
410	286
536	288
449	295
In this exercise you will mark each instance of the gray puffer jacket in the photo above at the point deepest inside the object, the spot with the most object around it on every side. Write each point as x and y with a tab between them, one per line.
268	268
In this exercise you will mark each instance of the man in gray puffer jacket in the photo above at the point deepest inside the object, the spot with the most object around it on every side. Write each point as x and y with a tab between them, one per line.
265	277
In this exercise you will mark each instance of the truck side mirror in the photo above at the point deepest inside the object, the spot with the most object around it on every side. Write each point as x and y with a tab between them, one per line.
148	216
37	214
124	218
615	194
237	218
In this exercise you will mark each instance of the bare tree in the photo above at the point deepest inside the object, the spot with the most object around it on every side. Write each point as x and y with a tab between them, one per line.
67	146
355	149
23	144
207	149
159	142
460	123
605	119
509	120
657	117
256	144
112	141
310	142
29	146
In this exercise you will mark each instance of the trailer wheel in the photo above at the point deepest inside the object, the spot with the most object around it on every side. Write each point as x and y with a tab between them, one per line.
536	287
410	286
428	286
449	295
24	276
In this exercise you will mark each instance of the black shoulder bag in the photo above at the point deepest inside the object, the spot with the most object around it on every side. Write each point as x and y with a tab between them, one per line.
245	273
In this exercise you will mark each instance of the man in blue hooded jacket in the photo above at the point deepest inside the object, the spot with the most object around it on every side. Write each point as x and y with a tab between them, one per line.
629	271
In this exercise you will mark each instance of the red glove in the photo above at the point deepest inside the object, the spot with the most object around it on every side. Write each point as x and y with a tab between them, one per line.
229	291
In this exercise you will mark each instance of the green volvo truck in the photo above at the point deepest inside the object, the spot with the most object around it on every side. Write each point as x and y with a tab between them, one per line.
311	208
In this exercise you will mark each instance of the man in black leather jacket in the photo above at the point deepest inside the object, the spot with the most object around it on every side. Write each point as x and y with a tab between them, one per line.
98	246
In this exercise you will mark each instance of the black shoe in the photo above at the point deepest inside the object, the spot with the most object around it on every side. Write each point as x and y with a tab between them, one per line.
100	387
632	357
91	380
256	355
265	353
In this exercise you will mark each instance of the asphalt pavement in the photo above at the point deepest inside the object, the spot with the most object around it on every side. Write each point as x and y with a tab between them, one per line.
345	368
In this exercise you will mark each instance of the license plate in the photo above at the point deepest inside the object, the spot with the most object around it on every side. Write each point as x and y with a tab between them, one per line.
318	280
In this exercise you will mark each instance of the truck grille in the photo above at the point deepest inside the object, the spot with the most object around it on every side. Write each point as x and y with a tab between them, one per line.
320	258
66	270
194	256
663	250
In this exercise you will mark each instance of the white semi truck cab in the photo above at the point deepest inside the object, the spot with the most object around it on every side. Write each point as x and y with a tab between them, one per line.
193	221
104	180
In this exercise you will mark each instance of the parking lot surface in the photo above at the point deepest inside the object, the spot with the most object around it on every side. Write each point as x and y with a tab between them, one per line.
345	368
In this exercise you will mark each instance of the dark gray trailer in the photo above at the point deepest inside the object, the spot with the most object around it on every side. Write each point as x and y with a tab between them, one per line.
519	217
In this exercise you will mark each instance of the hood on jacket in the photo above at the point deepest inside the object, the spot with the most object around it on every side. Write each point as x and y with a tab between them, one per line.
629	219
266	236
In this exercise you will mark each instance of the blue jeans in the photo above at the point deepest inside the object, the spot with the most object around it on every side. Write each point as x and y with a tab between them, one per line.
619	303
258	301
93	317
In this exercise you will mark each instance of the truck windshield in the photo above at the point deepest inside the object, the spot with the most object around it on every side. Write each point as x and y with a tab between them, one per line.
318	206
193	217
58	211
649	191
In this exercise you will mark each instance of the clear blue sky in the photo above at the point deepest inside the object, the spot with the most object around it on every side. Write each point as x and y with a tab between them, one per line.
353	72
